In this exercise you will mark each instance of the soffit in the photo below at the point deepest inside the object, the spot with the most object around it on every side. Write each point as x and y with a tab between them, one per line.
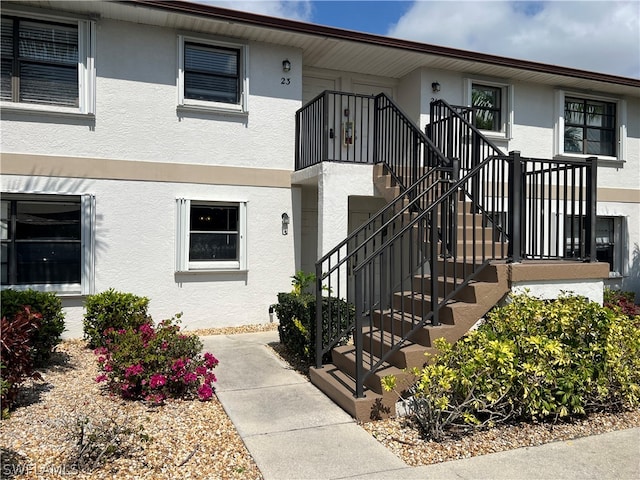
327	52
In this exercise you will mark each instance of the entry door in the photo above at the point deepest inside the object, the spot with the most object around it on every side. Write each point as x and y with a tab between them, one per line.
363	119
314	86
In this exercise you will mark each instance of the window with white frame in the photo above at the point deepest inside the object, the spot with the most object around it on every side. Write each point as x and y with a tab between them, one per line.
47	242
210	236
590	125
47	64
610	238
212	75
492	106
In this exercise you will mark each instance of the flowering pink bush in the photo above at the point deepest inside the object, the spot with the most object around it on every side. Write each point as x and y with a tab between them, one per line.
154	363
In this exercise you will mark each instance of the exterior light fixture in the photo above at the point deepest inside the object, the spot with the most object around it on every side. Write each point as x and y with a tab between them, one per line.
286	66
435	87
285	223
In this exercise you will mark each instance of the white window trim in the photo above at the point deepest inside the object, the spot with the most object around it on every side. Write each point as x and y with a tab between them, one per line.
87	242
506	107
183	265
86	70
621	125
242	107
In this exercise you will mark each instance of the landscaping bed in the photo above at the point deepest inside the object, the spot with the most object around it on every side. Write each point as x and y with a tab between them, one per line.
180	439
403	437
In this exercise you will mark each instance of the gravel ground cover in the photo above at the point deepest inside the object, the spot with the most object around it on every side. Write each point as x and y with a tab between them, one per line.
403	436
196	440
189	439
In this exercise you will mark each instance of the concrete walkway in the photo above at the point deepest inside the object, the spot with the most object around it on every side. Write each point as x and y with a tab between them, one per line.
293	431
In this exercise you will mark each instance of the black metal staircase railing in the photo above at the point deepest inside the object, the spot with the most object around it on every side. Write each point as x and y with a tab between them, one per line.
335	127
346	127
468	207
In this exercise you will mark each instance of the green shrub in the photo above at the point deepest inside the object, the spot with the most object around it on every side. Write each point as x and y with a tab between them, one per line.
297	328
531	359
17	361
47	336
112	309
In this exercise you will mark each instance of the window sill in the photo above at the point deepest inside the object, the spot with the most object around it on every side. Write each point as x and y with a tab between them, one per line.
209	271
31	109
214	110
491	135
70	290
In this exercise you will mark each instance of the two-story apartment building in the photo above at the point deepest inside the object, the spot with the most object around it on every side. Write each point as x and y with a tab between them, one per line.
155	147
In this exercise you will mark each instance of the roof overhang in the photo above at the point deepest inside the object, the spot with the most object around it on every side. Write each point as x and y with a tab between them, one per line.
339	49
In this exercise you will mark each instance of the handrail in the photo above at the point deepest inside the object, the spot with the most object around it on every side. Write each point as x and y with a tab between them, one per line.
435	233
412	257
392	216
401	145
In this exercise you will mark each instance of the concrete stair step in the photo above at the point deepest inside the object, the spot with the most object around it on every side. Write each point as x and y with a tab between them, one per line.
344	357
470	293
340	387
454	312
381	342
399	324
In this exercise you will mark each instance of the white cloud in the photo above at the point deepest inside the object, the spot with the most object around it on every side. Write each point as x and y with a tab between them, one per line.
291	9
601	36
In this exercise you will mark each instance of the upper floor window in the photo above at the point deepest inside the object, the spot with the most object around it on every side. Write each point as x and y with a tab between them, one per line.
47	242
212	75
47	65
487	107
492	106
589	127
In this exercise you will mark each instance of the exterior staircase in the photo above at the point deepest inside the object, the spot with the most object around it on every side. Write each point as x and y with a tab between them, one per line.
437	257
337	380
457	316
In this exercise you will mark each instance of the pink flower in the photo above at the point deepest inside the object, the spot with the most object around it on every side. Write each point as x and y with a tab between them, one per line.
177	365
108	368
146	330
205	392
164	345
133	370
155	398
122	331
210	360
201	370
157	380
101	378
210	378
190	377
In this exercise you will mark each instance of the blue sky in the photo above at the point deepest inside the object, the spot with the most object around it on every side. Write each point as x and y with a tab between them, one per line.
363	16
601	36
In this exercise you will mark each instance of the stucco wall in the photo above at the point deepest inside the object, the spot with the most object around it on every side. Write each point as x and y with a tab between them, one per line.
137	118
135	249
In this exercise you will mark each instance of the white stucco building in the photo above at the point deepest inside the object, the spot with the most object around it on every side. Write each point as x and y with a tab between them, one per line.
150	147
